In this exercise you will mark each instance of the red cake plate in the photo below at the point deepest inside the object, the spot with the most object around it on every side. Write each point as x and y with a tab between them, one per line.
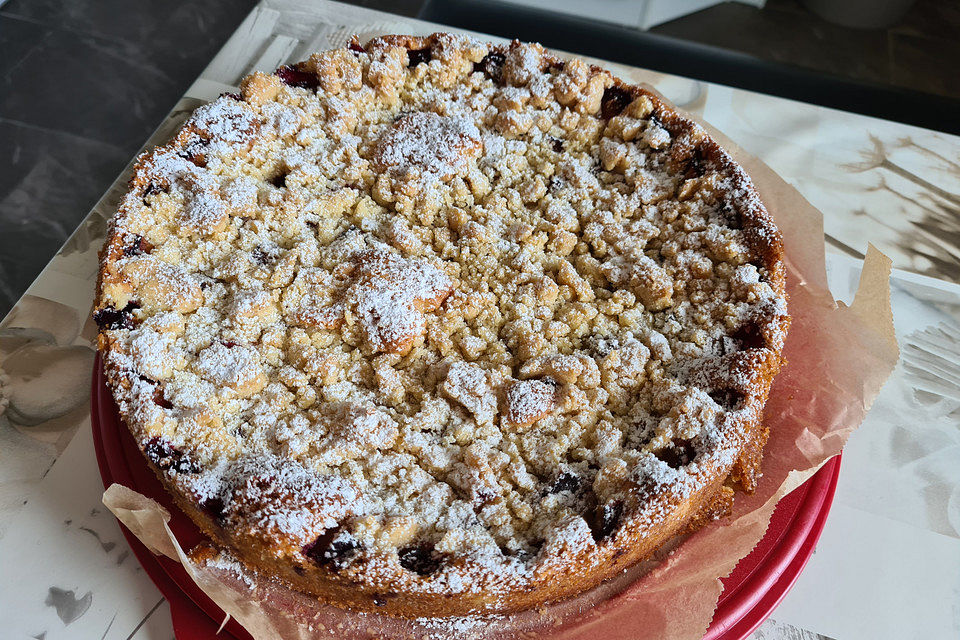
758	583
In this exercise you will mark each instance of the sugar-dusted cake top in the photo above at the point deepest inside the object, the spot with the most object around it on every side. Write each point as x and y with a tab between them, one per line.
451	315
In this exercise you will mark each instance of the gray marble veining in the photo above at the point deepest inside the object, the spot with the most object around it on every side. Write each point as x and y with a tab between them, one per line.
69	607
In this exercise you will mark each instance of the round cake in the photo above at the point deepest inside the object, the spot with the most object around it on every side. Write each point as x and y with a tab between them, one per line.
435	327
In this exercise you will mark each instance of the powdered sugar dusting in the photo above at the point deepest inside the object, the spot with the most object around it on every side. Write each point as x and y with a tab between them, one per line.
224	561
529	400
225	121
204	211
470	386
443	146
231	366
390	296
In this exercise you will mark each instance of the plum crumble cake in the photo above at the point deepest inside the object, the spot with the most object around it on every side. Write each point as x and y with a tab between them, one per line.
436	327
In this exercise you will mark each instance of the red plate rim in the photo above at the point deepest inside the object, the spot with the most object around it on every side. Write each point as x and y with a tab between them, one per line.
751	592
195	615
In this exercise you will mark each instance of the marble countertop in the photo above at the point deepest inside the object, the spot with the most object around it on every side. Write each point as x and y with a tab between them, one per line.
888	564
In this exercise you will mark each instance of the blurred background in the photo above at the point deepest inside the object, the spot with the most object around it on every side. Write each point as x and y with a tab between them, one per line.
906	43
84	82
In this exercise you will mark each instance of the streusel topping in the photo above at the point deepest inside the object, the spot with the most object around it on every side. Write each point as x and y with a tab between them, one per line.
409	307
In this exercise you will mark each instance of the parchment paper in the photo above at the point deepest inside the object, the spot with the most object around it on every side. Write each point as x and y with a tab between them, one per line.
838	358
